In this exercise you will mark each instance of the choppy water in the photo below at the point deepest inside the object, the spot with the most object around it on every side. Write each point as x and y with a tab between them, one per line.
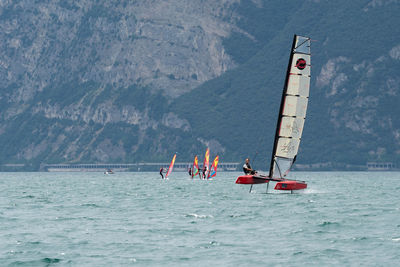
91	219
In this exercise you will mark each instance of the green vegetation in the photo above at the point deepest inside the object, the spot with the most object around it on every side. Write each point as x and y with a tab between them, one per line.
242	104
357	123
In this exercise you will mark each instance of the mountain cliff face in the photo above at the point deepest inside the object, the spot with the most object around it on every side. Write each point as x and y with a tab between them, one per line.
127	81
93	64
172	46
354	98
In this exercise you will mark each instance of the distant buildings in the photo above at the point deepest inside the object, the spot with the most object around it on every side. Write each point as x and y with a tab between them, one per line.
381	166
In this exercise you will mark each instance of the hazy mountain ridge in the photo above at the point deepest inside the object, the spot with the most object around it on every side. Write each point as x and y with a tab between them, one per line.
122	81
97	62
353	108
172	46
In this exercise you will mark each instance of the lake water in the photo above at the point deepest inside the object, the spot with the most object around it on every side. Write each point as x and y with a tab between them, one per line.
92	219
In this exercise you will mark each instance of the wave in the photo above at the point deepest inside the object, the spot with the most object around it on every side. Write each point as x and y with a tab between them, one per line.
42	262
360	238
200	216
90	205
237	215
28	196
327	223
210	244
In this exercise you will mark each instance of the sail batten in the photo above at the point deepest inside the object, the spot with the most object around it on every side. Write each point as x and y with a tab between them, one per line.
292	112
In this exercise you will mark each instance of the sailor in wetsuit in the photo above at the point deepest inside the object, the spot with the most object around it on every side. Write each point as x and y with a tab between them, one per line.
161	172
247	168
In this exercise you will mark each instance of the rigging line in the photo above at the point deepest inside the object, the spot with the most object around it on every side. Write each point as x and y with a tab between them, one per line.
279	169
302	43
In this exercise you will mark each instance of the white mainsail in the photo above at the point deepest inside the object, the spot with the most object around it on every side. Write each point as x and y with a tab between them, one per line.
293	108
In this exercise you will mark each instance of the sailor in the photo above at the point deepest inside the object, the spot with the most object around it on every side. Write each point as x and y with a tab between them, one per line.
190	171
247	168
204	172
161	172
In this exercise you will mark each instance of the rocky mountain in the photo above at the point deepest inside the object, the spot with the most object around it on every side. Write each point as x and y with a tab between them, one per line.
354	96
129	81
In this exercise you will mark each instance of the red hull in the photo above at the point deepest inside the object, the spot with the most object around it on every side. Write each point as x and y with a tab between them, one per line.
250	179
282	184
290	185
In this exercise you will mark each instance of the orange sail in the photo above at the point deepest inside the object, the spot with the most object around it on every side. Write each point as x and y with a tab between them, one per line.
207	158
213	170
171	166
195	169
206	162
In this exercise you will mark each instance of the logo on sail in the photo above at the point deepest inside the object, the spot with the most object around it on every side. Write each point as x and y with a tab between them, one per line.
288	147
301	63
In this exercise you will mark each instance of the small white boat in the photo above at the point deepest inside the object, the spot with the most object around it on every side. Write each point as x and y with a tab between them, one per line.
109	171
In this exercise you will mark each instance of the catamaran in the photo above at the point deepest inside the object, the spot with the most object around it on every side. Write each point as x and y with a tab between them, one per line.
292	114
171	166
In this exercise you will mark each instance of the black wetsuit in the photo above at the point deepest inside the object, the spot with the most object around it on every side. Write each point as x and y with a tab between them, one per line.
161	172
247	169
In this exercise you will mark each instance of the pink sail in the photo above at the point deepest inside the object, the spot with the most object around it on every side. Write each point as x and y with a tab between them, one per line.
213	170
171	166
206	162
195	168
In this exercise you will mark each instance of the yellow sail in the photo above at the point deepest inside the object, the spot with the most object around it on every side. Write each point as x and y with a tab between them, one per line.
171	166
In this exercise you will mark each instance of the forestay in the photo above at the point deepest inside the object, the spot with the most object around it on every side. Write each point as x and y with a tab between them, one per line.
293	108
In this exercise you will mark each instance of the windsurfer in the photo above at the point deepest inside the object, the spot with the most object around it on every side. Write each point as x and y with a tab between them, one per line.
247	168
190	172
161	172
204	172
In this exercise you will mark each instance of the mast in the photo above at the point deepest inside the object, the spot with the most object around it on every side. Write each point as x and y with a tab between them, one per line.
281	107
